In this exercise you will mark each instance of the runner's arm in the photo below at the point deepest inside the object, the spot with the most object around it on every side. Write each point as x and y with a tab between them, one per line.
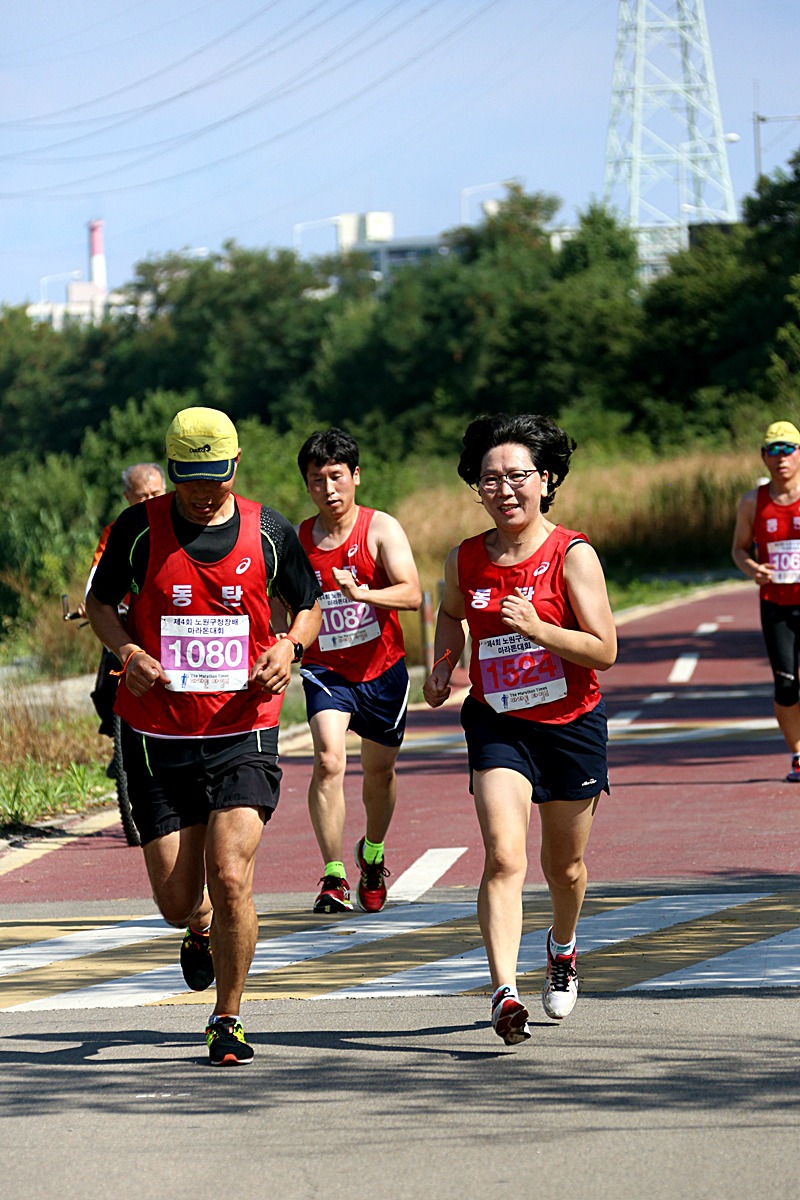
140	671
449	639
594	643
390	547
742	548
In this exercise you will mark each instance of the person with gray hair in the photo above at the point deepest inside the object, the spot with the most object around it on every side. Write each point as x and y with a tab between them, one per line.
140	482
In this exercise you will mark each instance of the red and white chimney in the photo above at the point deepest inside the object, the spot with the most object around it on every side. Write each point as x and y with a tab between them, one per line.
97	257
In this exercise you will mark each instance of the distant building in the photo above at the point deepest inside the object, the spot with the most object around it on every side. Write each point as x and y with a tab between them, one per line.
372	233
86	302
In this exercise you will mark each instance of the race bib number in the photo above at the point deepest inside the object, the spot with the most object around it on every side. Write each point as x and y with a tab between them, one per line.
205	653
516	673
784	558
346	622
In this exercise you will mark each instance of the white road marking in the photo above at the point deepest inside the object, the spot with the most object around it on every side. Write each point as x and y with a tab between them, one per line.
624	718
658	697
683	668
462	972
705	628
773	962
85	941
274	954
424	873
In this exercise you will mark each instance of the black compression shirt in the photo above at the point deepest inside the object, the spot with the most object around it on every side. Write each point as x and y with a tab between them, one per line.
123	565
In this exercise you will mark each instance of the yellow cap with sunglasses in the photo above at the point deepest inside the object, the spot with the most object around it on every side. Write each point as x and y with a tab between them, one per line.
781	431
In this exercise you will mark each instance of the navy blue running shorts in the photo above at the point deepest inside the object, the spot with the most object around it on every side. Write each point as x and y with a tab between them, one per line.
377	708
174	783
561	762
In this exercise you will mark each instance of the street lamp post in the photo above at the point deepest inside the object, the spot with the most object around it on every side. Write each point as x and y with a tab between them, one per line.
45	279
466	192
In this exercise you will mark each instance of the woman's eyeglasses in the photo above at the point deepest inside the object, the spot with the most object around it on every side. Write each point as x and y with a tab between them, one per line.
515	479
776	448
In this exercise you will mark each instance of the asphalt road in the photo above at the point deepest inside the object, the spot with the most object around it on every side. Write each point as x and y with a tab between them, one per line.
375	1069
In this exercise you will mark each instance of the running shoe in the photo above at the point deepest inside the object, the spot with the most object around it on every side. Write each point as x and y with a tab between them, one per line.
561	985
509	1017
371	890
334	896
794	774
226	1044
196	964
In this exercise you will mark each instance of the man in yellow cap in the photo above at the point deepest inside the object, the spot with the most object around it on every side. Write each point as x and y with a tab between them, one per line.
204	680
768	521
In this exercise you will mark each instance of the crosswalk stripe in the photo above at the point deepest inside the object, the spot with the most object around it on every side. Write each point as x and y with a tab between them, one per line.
424	873
78	945
773	962
467	972
698	940
165	982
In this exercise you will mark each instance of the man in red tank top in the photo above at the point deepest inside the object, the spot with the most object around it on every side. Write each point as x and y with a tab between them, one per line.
354	674
768	521
202	681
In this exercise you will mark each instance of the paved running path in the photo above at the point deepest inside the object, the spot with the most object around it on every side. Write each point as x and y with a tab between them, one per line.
697	779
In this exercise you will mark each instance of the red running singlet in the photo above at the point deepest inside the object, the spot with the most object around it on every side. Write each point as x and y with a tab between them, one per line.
776	530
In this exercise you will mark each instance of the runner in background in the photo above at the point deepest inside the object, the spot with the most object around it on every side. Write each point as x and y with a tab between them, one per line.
140	481
768	521
204	678
534	599
354	675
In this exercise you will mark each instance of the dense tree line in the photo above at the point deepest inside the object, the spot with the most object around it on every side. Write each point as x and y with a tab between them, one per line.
507	319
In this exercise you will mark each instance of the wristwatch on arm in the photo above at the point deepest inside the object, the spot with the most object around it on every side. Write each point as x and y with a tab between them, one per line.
298	648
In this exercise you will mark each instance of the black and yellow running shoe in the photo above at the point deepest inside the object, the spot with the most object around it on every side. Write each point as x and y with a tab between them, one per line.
196	963
226	1044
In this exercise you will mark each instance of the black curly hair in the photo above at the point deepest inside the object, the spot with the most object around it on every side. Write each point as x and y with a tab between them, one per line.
550	447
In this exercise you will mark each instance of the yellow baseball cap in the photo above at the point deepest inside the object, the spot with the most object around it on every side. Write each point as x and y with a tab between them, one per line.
782	431
202	443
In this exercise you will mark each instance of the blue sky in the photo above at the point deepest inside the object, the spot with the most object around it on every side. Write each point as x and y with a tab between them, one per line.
190	123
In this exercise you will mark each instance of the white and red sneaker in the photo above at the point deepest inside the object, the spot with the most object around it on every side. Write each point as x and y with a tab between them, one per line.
509	1017
334	896
561	985
794	774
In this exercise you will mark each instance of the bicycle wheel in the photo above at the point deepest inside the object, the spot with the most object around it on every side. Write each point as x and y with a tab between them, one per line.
129	829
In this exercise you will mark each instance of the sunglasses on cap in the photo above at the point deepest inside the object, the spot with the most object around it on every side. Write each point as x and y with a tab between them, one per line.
776	448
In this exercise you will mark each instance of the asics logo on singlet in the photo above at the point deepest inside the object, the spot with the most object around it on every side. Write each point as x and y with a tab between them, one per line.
540	570
352	550
243	565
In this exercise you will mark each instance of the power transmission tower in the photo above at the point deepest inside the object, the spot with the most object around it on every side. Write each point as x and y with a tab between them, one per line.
666	156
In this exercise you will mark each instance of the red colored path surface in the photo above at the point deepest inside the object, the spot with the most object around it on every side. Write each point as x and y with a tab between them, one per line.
700	797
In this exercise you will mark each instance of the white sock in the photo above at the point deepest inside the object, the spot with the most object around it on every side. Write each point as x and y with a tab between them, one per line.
556	948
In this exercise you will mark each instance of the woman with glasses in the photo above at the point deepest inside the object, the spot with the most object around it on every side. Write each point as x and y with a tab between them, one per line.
534	599
768	518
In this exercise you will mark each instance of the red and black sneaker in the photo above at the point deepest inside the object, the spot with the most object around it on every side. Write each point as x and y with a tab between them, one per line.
371	890
334	896
509	1017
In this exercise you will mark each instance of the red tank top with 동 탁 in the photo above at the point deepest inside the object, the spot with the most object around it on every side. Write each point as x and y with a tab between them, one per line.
206	623
507	670
357	640
776	531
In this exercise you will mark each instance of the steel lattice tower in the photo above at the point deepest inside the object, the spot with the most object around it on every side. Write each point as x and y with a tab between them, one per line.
666	157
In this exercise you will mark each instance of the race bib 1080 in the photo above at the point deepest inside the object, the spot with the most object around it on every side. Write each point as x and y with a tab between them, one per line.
206	653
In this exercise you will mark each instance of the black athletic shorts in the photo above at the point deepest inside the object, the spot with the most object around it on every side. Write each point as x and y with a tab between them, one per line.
377	708
561	762
177	782
781	627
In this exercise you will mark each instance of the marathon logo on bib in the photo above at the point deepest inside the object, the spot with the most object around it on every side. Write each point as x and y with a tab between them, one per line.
516	673
204	653
345	622
784	558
